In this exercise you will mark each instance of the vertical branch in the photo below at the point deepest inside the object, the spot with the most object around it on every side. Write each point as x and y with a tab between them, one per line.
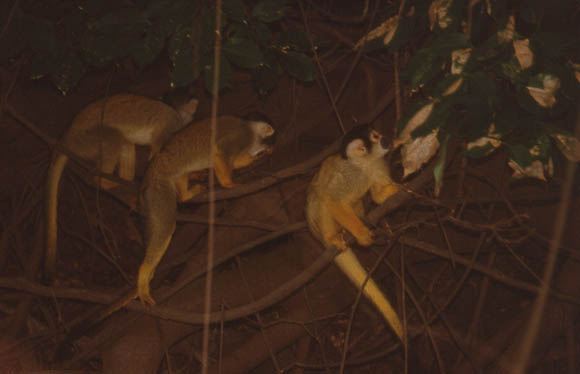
522	357
211	220
397	91
396	68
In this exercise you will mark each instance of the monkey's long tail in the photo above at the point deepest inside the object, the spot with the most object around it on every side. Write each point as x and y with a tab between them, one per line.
52	182
349	264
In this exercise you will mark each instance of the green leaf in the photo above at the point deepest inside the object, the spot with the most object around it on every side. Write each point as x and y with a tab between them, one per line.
234	10
447	43
294	39
13	40
90	7
184	55
183	72
129	20
265	80
172	15
113	36
224	75
298	65
69	71
261	33
40	33
444	84
423	68
145	50
239	30
439	168
404	32
520	154
270	10
244	53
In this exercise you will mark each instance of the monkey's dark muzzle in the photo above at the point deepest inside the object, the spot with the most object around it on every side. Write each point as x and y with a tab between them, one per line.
385	143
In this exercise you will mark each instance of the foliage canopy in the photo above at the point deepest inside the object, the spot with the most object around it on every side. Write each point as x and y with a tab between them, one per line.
94	34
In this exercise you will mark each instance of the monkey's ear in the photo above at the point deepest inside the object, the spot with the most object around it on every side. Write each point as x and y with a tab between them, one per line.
187	110
356	148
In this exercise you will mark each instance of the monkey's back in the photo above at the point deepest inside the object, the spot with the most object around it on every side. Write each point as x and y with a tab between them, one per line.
189	149
138	118
340	180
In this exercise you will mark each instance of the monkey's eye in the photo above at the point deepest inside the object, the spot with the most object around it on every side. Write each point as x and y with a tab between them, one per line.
375	136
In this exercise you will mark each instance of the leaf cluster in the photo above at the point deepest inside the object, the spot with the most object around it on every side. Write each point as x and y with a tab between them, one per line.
520	75
96	33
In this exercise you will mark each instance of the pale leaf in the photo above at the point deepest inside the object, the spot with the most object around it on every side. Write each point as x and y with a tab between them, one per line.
443	18
458	59
544	95
418	151
523	53
453	87
568	145
549	168
534	170
417	120
507	34
386	28
433	13
491	139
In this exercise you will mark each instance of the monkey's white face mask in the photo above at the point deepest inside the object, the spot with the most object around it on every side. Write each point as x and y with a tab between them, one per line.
263	139
374	148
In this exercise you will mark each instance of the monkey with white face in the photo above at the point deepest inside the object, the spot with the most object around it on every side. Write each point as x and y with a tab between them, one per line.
334	203
239	142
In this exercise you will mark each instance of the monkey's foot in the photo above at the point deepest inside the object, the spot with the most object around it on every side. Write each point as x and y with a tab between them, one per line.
145	296
228	184
365	237
106	184
190	193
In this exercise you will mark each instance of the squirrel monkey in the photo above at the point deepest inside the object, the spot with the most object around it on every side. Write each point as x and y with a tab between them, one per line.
110	128
334	202
239	142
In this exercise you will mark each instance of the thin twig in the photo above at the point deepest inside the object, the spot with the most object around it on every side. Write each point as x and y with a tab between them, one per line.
320	69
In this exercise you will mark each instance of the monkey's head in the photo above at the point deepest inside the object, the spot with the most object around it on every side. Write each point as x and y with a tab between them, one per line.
264	135
363	143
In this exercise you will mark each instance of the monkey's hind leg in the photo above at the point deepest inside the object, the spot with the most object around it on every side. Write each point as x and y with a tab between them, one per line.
329	229
185	193
347	218
223	171
127	161
106	144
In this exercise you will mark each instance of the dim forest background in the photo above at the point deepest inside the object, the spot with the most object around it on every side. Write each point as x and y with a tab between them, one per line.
482	97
